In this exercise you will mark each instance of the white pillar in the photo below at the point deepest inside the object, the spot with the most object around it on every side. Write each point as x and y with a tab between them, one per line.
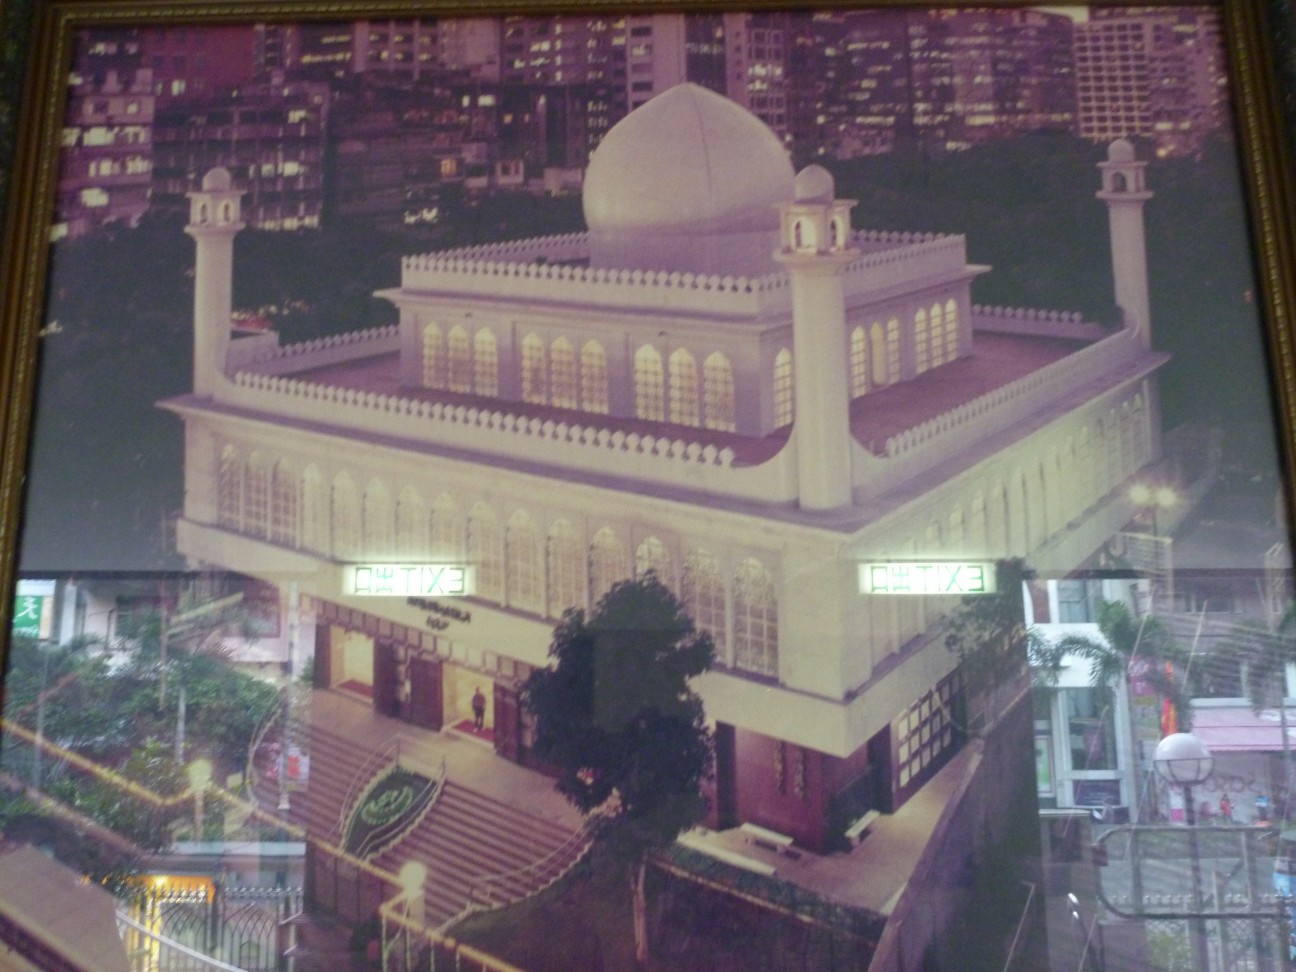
1124	193
214	221
815	250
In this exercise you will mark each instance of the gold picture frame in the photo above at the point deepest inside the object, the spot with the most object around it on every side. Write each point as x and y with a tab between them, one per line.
912	746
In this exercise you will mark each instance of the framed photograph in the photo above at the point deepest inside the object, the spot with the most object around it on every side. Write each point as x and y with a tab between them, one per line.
609	486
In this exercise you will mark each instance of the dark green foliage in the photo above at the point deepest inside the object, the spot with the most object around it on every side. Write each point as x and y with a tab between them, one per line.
988	633
616	717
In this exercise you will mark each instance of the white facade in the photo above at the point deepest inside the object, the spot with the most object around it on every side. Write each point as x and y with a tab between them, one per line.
563	422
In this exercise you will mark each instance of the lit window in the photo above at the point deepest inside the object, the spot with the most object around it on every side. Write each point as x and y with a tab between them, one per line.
878	355
702	591
433	357
566	581
485	363
484	552
283	505
445	530
379	539
717	376
652	556
755	619
315	511
937	336
533	370
859	362
562	374
411	525
951	330
893	350
460	378
607	563
784	404
522	562
683	388
229	489
256	497
921	362
649	402
594	378
346	517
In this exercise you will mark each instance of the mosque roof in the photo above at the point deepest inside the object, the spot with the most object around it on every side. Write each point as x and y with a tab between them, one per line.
689	161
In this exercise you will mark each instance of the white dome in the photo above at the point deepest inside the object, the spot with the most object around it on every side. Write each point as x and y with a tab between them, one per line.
689	161
1121	150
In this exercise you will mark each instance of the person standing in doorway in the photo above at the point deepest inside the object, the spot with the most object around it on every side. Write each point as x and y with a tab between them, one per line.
479	710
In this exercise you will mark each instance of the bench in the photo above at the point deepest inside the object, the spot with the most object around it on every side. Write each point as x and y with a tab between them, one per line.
769	839
857	831
732	858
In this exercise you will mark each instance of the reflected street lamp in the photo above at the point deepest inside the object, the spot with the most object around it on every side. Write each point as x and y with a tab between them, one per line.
200	774
1182	760
1153	499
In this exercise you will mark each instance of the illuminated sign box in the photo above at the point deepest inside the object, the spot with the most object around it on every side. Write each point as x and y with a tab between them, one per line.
927	578
407	580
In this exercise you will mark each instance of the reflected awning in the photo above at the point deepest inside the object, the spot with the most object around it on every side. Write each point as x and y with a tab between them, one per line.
1238	729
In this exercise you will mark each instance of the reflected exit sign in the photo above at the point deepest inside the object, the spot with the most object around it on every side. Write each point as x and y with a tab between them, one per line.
406	580
927	578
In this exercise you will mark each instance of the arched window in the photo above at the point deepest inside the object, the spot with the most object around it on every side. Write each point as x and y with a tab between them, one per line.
445	530
485	363
315	511
562	374
956	533
798	234
484	552
460	360
648	379
921	360
784	402
702	591
411	525
652	555
937	336
683	388
433	357
346	517
283	504
878	355
717	377
566	587
229	489
893	350
607	563
859	360
1111	449
594	378
1127	454
951	330
378	529
256	497
522	562
977	527
755	619
534	386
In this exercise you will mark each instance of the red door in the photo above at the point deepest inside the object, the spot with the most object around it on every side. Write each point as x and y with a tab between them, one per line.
385	677
426	707
322	675
507	721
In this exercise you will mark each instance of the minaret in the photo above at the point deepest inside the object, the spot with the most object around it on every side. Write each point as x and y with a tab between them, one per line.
815	247
1124	193
213	223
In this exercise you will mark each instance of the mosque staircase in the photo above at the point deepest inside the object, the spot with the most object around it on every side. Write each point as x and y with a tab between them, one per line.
480	851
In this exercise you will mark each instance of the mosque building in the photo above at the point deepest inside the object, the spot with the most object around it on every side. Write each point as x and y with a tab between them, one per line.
720	381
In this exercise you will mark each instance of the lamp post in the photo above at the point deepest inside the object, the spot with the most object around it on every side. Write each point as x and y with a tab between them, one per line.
1183	760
